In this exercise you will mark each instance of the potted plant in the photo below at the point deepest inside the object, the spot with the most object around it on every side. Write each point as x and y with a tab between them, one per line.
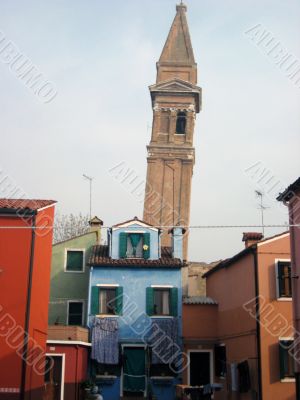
86	386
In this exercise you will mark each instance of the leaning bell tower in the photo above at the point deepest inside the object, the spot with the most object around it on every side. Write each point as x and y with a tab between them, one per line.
171	156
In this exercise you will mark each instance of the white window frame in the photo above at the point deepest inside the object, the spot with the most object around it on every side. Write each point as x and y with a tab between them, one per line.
282	339
63	363
277	260
83	310
107	286
83	261
211	360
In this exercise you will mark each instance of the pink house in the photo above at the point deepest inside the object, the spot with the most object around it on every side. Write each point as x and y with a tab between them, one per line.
291	198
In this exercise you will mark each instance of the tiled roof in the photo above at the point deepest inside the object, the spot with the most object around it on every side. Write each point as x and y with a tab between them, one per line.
252	236
24	204
198	300
100	257
289	191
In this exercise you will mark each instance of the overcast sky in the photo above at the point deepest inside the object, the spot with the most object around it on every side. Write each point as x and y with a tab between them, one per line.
101	56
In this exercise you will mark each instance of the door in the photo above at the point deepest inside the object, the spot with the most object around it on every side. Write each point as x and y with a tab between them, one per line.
134	372
53	378
200	368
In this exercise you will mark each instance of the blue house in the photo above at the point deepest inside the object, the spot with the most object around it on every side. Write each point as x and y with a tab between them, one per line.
135	303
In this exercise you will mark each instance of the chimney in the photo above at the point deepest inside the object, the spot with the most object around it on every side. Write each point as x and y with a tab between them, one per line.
177	242
251	238
95	226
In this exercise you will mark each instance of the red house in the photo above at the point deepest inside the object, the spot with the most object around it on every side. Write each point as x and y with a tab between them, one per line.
25	260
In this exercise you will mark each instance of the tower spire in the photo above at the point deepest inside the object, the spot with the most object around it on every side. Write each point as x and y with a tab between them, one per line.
177	55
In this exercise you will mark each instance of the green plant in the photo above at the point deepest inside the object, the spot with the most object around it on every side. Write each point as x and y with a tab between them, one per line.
87	384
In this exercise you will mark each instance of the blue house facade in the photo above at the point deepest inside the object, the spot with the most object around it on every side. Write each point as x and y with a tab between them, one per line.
135	303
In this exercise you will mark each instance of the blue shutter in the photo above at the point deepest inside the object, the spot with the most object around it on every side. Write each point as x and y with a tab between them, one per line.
149	301
119	300
122	244
146	241
95	300
174	302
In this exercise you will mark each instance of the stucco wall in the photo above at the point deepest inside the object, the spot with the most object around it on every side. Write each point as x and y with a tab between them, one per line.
154	240
68	285
134	282
271	331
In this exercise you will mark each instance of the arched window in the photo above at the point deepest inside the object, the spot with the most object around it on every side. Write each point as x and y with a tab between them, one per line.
181	123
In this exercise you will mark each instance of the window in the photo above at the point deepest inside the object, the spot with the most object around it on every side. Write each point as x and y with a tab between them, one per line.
134	245
74	261
286	359
181	123
284	279
220	361
75	313
107	300
161	301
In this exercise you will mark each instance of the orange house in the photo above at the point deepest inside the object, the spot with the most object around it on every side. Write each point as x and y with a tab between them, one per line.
25	259
246	327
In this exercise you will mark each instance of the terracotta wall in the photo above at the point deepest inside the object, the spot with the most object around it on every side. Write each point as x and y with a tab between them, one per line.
274	313
76	367
233	287
15	252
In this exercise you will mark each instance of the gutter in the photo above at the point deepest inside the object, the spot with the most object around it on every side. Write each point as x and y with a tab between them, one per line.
257	312
27	312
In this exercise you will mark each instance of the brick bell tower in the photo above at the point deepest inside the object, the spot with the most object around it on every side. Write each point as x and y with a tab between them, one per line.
171	156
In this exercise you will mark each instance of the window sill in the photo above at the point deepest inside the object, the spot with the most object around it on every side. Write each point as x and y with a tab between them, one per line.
161	316
162	380
75	272
284	299
288	380
106	316
106	379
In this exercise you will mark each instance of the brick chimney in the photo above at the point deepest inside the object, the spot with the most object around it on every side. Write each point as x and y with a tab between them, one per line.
251	238
177	241
95	226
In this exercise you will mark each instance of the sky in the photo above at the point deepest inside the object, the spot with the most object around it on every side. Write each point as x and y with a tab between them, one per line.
100	56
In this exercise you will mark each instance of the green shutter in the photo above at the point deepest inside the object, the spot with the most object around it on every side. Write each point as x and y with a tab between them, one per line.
174	301
146	253
280	279
95	300
122	244
281	361
149	301
119	300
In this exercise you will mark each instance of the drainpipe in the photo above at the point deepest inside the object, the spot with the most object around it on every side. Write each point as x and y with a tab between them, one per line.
89	298
295	292
257	311
27	312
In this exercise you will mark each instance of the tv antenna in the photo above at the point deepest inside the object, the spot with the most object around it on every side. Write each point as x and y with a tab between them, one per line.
90	179
261	207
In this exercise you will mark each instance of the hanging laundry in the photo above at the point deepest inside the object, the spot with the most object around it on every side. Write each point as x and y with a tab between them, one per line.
163	340
105	346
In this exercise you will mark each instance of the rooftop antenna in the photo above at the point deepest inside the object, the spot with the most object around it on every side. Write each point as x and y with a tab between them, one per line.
261	207
90	179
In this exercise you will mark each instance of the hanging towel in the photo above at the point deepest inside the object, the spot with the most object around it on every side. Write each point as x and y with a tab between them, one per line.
163	340
105	346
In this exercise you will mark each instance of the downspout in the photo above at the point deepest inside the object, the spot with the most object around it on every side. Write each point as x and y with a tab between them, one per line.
76	375
257	312
27	312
